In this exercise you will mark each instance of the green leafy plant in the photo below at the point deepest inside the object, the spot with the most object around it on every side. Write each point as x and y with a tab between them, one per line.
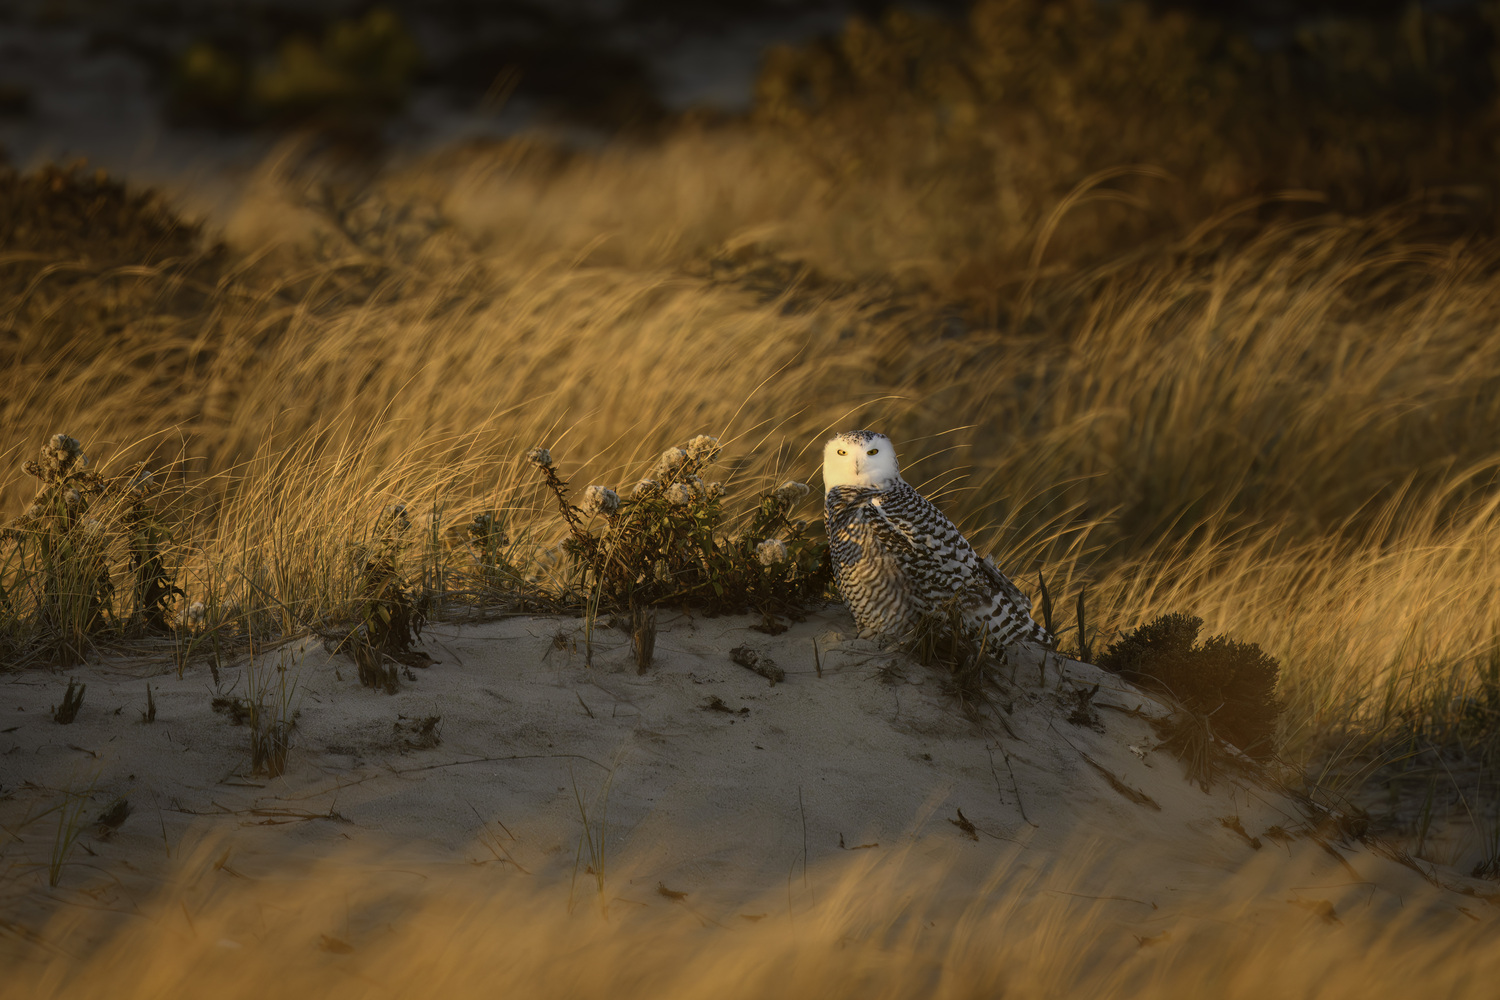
66	544
361	68
666	542
268	710
391	617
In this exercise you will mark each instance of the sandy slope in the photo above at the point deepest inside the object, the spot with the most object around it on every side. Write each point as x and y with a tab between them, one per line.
705	779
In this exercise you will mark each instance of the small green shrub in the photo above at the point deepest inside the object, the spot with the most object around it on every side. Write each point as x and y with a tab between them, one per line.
74	212
491	552
1232	683
361	69
392	617
64	545
361	66
665	543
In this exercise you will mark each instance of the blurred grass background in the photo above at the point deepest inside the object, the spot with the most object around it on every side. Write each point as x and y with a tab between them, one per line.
1203	323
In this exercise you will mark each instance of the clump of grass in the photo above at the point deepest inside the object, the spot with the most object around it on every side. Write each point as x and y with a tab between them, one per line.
667	543
392	618
948	639
269	711
64	713
1230	683
1055	132
64	545
70	827
642	637
593	844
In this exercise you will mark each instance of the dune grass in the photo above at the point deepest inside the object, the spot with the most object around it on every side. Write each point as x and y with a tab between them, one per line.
880	925
1265	398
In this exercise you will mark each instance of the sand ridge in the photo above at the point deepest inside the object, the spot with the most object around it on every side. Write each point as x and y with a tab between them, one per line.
698	777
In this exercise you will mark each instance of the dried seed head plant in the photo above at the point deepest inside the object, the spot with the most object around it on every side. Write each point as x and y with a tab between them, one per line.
669	542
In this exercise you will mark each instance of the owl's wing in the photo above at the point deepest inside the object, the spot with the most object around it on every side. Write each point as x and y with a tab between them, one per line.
1002	583
981	572
895	530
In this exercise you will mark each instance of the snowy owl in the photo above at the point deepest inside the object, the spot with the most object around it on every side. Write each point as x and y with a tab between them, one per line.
895	556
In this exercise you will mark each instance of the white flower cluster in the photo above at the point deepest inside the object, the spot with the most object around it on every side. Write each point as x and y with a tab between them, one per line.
670	464
540	457
643	487
195	613
679	465
486	526
771	552
61	454
703	449
601	500
691	490
792	492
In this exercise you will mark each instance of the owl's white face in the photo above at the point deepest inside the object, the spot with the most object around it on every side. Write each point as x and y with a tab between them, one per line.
860	458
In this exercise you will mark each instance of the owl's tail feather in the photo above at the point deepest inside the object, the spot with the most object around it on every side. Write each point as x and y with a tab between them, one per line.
1007	626
1005	615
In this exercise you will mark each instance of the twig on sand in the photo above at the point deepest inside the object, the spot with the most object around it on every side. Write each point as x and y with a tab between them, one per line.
518	756
758	663
1014	787
1135	795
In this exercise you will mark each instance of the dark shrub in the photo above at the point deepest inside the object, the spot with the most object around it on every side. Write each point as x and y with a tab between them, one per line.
1233	683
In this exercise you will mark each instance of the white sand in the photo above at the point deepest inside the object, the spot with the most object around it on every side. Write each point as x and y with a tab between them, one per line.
727	806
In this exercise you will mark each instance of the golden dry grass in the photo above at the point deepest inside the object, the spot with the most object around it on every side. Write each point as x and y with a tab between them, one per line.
1287	434
350	926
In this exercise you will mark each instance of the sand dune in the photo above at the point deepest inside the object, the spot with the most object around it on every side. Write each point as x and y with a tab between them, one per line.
702	793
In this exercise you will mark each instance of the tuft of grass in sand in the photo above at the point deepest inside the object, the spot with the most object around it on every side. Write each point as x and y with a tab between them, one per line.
270	714
70	826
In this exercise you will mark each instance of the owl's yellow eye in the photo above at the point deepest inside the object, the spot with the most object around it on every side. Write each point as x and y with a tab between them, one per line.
874	450
843	452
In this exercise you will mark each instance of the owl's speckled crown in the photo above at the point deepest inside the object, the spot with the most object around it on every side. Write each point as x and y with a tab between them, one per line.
862	437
